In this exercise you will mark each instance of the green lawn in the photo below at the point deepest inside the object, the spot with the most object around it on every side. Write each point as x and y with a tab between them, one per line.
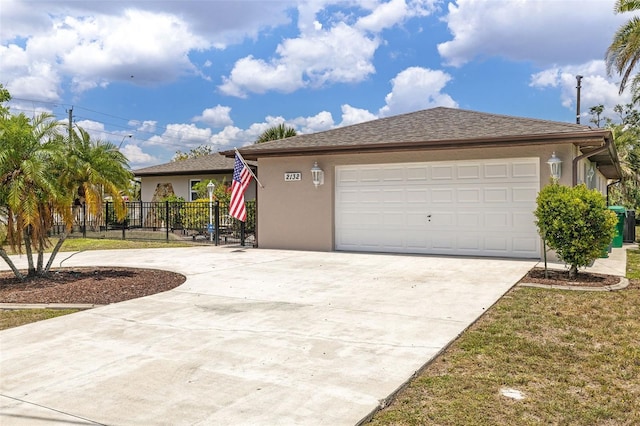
575	356
80	244
9	319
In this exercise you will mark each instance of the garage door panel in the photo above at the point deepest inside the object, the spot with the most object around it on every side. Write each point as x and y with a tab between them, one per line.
496	171
482	208
496	195
442	195
469	195
525	169
469	171
442	172
420	195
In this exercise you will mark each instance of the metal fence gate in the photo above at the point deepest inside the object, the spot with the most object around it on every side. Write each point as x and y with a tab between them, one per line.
187	221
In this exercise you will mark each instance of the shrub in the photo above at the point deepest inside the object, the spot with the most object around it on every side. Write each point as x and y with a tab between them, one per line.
575	222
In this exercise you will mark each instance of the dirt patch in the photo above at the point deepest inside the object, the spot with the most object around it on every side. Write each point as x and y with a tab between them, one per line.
556	278
94	285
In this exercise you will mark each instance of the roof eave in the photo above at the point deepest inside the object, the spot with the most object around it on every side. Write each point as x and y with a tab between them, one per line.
578	138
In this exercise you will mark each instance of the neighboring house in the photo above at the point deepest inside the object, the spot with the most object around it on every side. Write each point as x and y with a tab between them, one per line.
438	181
179	177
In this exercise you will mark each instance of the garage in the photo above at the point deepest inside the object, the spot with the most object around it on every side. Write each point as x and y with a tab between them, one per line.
471	208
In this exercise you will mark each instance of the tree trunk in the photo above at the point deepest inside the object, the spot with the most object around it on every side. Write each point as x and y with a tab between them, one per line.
16	272
573	271
55	251
40	257
31	270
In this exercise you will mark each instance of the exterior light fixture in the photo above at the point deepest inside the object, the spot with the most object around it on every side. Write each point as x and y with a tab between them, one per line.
317	175
210	187
555	166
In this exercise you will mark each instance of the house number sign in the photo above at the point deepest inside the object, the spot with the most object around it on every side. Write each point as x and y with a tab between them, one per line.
292	176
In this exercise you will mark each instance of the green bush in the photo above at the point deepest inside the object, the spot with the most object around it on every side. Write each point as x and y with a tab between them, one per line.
575	222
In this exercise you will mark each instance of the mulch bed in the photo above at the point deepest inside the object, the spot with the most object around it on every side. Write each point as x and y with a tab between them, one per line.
95	285
583	279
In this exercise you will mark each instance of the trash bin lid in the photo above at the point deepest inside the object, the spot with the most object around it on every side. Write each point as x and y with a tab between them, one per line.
618	209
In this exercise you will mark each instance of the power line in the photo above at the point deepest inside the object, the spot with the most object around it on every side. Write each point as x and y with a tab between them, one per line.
170	134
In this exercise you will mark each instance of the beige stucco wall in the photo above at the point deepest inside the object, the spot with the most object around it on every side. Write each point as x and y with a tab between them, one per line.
181	185
295	215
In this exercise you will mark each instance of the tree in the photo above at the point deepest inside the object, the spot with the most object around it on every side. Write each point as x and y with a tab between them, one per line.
626	136
28	177
575	222
193	153
596	112
43	174
624	52
96	168
281	131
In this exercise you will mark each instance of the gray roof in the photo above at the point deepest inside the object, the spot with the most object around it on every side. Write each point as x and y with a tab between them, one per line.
435	128
212	163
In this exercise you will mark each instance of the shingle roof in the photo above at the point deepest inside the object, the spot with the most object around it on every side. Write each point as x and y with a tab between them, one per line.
445	127
203	164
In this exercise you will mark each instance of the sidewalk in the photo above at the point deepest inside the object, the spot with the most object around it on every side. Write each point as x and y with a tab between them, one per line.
615	264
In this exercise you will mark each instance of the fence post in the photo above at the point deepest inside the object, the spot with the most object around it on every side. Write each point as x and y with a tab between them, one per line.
217	221
166	219
84	220
106	217
242	233
141	222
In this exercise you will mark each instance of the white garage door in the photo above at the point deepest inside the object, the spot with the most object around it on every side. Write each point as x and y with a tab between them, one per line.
482	208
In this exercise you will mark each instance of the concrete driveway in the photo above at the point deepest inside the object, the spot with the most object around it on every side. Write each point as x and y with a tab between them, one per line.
256	337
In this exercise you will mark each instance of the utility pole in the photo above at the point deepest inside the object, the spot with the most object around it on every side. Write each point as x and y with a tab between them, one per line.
579	86
70	122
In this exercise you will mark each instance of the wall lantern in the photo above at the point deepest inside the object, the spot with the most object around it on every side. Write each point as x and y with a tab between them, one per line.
555	164
317	175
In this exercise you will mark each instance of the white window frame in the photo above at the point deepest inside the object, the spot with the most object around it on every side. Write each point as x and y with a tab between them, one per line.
192	194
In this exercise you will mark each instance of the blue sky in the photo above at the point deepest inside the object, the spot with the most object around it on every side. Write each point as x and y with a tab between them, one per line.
179	74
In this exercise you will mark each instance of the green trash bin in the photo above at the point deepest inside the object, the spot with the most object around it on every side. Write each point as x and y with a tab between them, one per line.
621	212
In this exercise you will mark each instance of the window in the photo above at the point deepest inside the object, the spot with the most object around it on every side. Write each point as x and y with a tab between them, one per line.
193	194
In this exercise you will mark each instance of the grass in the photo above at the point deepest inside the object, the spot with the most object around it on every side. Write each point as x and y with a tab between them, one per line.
574	355
80	244
9	319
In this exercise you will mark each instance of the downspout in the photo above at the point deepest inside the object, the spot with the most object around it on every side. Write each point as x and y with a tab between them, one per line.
607	143
611	184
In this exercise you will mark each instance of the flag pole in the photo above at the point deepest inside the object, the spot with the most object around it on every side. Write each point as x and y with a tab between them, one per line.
248	168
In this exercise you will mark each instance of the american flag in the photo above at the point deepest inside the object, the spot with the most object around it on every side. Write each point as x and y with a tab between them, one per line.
241	179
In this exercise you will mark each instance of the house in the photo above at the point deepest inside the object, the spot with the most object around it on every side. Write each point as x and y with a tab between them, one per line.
438	181
179	177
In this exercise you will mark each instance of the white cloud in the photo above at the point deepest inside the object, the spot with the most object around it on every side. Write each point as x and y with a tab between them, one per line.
339	50
91	44
417	88
543	32
313	124
181	136
137	158
351	115
387	14
257	76
217	116
597	89
339	55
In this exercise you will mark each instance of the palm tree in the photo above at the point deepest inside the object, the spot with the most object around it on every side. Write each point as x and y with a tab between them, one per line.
95	168
624	52
281	131
42	174
30	192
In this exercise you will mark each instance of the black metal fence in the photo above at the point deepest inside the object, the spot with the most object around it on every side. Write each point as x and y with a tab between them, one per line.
186	221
